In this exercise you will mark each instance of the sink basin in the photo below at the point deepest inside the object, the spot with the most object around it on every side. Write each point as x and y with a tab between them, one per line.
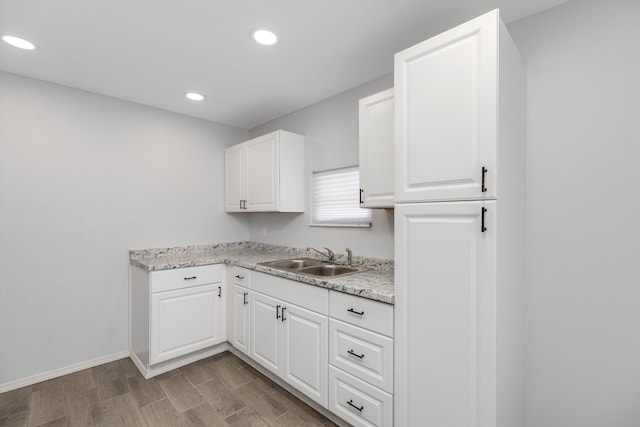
313	267
329	270
293	264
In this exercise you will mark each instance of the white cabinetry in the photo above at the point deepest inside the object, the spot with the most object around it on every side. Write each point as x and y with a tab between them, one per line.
175	313
289	332
459	250
241	320
266	174
450	93
376	150
361	360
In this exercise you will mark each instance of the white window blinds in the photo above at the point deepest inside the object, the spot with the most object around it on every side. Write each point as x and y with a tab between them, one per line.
335	199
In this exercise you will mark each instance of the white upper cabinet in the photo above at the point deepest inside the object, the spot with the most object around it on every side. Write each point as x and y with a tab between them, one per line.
265	174
376	147
447	107
235	178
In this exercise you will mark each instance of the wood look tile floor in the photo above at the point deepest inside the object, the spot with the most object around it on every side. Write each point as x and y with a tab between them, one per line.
218	391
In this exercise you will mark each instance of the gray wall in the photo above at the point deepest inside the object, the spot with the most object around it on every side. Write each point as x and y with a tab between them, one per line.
583	338
83	179
331	135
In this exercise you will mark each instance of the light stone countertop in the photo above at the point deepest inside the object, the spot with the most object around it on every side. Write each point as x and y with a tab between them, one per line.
376	284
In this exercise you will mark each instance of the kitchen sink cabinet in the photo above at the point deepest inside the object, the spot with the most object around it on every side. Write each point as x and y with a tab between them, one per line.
266	332
174	315
376	150
266	174
290	340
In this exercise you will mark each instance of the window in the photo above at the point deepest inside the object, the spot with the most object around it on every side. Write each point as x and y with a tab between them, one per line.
335	199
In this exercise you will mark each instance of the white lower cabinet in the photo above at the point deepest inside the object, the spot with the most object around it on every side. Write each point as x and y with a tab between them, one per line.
362	353
288	339
174	314
241	321
266	332
361	360
304	353
185	320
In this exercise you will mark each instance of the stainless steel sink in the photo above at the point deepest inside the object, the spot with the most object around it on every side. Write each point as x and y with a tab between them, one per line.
293	264
313	267
329	270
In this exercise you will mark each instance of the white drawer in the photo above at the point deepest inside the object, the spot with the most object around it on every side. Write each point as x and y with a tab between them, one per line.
365	354
179	278
241	276
357	402
369	314
306	296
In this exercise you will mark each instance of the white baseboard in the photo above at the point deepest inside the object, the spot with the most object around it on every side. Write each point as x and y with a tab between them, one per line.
23	382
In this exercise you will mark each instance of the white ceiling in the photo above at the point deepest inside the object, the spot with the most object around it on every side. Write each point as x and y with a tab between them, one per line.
153	51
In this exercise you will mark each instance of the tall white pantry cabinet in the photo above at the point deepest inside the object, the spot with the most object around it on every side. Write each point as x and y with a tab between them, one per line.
459	229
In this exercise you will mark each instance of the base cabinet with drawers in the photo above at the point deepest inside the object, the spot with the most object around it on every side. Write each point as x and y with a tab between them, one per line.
175	313
335	348
360	360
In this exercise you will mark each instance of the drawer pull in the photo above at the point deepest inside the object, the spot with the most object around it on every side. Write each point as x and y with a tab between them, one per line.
239	277
191	278
350	403
353	353
359	313
219	291
244	298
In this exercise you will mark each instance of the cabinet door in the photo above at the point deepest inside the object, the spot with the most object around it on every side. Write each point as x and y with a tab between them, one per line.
446	114
262	173
184	321
266	332
241	319
376	149
445	314
234	178
305	339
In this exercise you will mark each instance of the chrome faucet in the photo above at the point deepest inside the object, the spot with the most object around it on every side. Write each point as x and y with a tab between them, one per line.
349	256
330	255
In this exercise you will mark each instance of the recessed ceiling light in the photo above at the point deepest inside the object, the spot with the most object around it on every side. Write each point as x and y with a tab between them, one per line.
18	42
264	36
194	96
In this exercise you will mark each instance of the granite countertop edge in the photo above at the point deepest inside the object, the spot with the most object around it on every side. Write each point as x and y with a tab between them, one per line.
375	284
